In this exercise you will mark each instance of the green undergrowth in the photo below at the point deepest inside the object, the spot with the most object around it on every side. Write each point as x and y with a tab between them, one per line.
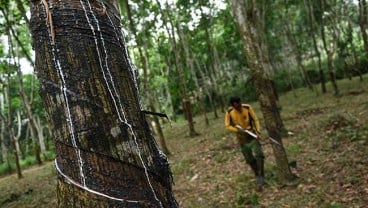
9	167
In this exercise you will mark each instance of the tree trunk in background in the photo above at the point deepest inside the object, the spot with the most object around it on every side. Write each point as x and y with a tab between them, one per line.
187	107
157	127
219	78
353	48
181	79
312	29
205	83
35	134
146	86
106	155
7	97
17	136
211	65
41	138
9	125
26	104
363	24
190	64
297	53
245	14
4	148
330	49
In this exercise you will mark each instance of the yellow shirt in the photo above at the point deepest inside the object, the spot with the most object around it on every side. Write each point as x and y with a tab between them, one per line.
246	118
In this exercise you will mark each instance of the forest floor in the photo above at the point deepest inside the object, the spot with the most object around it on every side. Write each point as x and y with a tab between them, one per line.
328	140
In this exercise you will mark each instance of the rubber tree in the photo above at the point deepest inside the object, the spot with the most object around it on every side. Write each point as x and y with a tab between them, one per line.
245	14
106	155
363	22
144	61
296	48
168	20
313	32
329	46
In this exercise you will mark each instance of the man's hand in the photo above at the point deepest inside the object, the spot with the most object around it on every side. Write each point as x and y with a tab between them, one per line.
244	131
241	129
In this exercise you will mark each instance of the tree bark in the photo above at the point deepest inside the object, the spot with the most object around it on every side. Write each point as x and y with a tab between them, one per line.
245	14
106	155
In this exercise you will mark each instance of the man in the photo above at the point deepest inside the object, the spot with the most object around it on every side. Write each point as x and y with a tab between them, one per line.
240	117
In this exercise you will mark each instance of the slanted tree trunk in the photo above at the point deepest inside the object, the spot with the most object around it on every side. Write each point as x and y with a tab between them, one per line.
311	21
106	155
245	13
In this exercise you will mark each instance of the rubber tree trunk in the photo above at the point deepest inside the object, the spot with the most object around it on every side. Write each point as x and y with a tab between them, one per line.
168	20
290	34
330	49
4	148
143	53
363	24
106	155
257	62
311	23
14	51
190	63
9	123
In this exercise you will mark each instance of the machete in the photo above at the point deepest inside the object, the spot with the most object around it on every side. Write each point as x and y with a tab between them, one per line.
254	135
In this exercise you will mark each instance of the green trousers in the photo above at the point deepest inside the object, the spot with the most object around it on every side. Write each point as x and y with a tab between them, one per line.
252	151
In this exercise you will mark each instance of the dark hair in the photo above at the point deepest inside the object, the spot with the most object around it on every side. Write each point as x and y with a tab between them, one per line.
234	99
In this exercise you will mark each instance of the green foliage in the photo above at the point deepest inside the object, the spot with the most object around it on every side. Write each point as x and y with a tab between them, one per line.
28	161
48	156
6	168
293	149
287	79
243	200
336	205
